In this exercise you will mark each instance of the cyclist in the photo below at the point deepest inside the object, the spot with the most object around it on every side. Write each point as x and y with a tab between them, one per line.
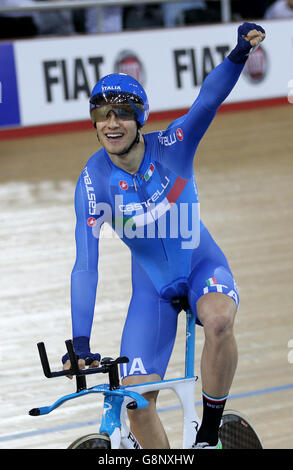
144	187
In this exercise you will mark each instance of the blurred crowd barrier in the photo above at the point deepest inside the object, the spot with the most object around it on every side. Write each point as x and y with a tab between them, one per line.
18	19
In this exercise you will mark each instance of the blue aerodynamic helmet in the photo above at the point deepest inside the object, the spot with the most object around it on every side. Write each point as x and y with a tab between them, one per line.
119	88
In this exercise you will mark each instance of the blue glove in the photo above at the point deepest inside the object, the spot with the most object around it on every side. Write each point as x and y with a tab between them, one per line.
240	53
81	345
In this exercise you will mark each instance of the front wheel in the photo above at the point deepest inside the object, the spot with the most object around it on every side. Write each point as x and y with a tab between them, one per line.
236	432
91	441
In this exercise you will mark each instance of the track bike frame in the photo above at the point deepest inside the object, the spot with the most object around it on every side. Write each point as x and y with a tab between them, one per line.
118	398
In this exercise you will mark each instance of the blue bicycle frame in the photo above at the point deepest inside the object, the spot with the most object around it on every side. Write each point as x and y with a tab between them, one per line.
118	398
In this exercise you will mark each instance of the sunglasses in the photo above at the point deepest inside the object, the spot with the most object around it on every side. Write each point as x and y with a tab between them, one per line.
124	112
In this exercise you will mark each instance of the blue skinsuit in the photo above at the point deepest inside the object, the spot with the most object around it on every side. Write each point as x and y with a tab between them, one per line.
156	213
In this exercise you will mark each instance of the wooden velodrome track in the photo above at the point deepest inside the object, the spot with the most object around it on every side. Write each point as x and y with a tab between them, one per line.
244	170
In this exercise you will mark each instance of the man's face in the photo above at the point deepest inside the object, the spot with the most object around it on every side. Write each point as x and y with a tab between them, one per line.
116	134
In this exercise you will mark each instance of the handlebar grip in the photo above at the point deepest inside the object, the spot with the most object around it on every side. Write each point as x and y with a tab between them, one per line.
72	356
44	360
107	364
46	366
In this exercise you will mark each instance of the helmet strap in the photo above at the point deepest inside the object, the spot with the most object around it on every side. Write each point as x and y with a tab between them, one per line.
135	142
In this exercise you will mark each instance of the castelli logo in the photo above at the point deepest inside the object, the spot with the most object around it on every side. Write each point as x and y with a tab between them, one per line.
123	185
256	66
91	221
179	134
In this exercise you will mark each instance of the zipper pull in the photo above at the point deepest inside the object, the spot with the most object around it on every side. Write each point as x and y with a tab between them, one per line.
134	182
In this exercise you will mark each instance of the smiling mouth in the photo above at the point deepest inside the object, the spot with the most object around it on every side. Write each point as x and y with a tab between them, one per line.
114	136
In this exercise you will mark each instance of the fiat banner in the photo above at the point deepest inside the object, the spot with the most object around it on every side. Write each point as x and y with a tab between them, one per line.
49	80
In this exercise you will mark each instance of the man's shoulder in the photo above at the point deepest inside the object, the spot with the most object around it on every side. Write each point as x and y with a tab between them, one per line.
97	165
96	159
152	139
95	174
150	136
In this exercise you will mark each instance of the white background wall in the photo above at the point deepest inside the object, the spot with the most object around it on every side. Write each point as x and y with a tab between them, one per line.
55	75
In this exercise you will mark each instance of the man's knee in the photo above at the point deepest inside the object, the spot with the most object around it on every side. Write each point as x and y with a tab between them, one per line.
216	312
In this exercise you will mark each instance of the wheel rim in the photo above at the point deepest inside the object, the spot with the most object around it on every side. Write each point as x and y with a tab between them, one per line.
91	441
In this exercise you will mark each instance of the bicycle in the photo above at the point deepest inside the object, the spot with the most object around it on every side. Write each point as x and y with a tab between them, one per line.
235	432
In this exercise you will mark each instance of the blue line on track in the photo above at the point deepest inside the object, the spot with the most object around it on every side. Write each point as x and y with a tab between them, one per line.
81	424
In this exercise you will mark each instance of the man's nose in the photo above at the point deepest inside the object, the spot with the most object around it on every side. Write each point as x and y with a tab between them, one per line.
112	119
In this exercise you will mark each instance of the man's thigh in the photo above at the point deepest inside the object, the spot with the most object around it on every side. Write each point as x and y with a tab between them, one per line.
148	335
211	278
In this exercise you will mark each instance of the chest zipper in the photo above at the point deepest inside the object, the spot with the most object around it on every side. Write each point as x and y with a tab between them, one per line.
134	182
145	195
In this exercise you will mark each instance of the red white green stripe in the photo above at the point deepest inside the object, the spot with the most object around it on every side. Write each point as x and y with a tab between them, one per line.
158	210
161	208
214	399
211	281
149	172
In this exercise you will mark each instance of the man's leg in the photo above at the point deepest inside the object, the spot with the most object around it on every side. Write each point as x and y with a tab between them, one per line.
216	312
213	296
148	339
145	423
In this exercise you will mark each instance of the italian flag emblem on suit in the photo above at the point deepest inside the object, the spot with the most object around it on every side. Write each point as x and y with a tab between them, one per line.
149	172
212	281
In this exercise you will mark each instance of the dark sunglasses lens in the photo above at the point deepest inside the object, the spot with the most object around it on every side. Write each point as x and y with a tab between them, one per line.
125	113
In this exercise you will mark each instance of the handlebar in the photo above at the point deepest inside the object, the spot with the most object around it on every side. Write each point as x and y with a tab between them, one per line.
108	365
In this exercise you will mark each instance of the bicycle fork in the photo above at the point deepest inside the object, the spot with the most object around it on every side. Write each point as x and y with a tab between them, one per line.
114	423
